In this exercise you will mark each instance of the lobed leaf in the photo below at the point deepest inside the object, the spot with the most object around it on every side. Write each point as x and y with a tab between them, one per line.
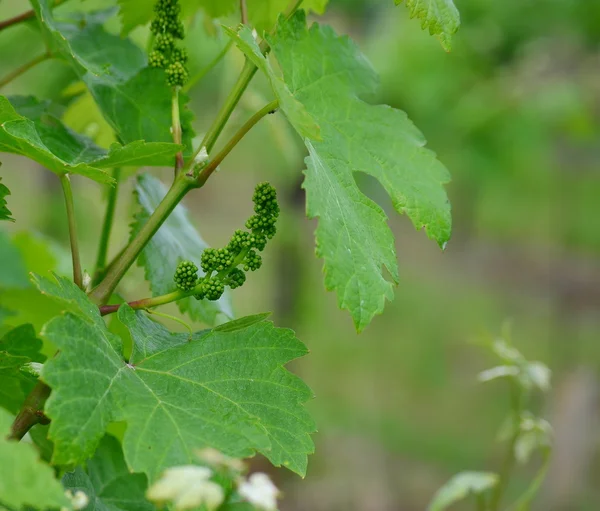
45	139
328	75
440	17
134	100
107	481
84	43
226	389
25	481
50	143
176	240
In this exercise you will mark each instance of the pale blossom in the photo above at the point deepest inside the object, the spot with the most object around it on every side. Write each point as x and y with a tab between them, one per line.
187	487
260	491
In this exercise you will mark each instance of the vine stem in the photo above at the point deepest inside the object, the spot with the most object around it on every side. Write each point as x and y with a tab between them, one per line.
248	125
23	17
176	128
24	68
101	293
65	181
205	70
244	12
522	504
107	224
509	460
32	412
248	71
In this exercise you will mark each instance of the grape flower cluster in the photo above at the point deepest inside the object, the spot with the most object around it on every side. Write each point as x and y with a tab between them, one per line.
227	267
167	28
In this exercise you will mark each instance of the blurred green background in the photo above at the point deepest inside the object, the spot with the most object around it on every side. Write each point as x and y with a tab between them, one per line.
514	113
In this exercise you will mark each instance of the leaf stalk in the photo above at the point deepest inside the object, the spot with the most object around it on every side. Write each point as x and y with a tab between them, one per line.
248	125
24	68
32	412
107	224
65	181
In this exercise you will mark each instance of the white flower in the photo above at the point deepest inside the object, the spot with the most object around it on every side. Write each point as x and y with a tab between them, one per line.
218	459
260	491
79	500
187	486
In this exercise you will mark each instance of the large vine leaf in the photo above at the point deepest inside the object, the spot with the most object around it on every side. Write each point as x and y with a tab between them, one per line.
140	108
134	100
18	348
294	110
83	42
175	241
440	17
262	14
24	479
328	75
5	213
225	388
51	145
45	139
107	481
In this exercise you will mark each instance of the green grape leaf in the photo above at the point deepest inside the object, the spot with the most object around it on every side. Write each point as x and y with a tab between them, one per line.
329	75
140	154
18	348
50	143
140	108
47	140
83	115
5	213
85	44
294	110
24	479
460	487
176	240
262	14
134	100
107	481
440	17
225	388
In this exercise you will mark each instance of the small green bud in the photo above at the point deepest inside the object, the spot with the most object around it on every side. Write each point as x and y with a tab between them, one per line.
239	241
213	289
236	278
252	261
186	275
176	73
179	55
209	260
157	59
164	42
